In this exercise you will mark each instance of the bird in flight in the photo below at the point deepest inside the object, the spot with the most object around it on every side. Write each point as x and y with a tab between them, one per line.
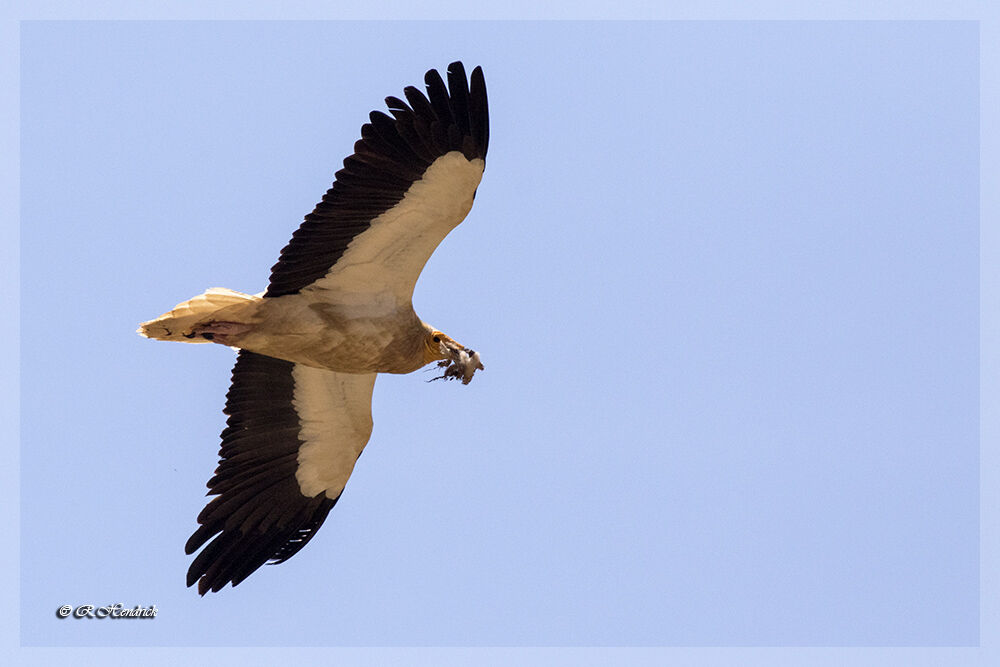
337	311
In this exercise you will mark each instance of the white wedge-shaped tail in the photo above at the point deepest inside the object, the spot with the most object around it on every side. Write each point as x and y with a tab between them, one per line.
215	305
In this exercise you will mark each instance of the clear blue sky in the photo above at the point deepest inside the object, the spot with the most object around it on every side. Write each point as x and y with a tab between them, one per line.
724	278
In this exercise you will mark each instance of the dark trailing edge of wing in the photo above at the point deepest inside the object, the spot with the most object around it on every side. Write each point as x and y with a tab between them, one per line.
258	514
393	153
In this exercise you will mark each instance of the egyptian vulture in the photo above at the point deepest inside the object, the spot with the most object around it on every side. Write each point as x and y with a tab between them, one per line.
337	312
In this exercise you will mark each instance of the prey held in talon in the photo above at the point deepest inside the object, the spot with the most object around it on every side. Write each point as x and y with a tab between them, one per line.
337	312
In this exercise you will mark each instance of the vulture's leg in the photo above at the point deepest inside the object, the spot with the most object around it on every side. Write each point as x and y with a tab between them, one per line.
218	332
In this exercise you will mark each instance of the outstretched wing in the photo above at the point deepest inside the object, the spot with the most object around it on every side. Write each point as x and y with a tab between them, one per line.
293	435
410	181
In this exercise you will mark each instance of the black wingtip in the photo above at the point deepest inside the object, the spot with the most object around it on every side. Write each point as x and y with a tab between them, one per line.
463	102
393	152
479	108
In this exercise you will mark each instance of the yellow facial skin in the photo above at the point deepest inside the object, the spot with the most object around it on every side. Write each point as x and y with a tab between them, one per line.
436	345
